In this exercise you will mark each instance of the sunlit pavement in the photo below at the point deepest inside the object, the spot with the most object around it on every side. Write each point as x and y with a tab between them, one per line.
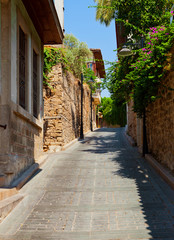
97	189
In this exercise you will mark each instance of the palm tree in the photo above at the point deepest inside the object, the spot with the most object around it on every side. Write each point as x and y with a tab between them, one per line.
105	11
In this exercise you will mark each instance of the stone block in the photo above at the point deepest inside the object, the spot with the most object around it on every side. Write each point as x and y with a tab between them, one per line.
2	180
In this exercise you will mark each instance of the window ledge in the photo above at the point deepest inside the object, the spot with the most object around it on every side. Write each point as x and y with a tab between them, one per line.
22	113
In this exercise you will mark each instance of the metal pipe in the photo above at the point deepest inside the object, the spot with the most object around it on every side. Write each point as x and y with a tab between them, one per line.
91	109
81	117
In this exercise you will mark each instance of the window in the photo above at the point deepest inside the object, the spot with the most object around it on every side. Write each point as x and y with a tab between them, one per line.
22	68
35	85
90	65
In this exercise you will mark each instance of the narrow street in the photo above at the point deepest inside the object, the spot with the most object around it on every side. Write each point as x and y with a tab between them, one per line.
100	188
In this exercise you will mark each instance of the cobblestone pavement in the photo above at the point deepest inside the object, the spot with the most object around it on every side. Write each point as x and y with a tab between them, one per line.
98	189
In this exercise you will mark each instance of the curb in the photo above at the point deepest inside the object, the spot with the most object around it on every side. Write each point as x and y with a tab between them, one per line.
19	183
74	141
161	170
130	140
8	204
165	174
63	148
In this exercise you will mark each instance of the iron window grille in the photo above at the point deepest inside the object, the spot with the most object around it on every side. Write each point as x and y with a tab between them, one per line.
22	68
35	85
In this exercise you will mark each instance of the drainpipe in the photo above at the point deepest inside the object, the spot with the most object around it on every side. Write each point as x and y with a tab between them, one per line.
81	118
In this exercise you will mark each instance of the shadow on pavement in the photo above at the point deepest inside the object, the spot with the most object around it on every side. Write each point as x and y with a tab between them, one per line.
156	205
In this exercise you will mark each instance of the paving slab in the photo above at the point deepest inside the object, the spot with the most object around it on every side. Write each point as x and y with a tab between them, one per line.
96	189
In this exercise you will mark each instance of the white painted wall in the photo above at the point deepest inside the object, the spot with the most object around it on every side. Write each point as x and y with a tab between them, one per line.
13	52
59	4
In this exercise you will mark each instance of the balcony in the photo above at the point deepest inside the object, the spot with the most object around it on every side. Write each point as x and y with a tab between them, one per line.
96	97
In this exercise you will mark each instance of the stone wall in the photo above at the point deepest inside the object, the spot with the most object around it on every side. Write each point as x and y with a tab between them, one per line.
62	107
21	142
160	124
132	122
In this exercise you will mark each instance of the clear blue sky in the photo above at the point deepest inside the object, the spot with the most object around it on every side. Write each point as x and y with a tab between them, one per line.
80	21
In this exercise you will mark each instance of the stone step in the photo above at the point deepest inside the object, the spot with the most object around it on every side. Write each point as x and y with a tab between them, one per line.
8	204
7	192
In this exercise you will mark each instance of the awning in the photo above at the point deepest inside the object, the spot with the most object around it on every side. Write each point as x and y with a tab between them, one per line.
44	17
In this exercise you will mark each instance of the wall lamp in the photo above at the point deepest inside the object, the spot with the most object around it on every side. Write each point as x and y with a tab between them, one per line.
125	51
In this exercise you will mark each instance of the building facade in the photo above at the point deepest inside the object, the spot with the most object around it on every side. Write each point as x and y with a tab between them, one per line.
97	65
25	27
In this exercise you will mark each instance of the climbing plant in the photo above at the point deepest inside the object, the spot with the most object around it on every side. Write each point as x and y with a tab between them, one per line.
53	56
137	15
73	57
139	76
153	63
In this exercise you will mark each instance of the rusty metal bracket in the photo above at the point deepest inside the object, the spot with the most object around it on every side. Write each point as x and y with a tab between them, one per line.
3	126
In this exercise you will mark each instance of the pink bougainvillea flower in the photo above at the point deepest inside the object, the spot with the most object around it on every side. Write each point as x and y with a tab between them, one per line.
149	52
167	33
144	59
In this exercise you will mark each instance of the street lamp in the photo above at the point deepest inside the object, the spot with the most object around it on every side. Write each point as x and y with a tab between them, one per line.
81	117
124	52
91	81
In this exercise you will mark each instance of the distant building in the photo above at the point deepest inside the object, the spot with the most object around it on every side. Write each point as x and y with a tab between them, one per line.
97	65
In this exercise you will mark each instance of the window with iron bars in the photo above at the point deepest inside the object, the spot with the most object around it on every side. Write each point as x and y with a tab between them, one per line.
35	84
22	68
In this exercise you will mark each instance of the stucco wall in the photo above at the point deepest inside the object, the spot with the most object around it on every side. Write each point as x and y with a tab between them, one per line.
62	108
